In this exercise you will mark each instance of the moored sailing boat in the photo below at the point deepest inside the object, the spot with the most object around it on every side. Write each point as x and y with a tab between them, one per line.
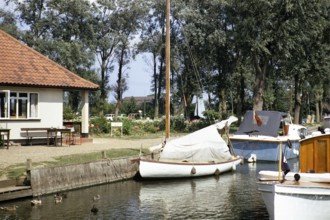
200	153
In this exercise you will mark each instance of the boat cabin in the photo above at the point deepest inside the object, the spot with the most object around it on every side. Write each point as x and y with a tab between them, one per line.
315	154
269	123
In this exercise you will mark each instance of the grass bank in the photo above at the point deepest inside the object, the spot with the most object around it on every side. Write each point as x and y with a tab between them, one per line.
19	170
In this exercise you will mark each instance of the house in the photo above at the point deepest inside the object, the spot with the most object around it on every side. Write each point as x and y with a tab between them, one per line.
140	99
144	103
32	89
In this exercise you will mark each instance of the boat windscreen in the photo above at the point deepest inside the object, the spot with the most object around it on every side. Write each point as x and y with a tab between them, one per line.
261	123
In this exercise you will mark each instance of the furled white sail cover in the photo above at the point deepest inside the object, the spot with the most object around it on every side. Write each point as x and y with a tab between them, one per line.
205	145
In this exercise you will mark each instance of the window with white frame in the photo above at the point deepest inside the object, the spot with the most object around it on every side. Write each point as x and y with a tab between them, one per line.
4	104
33	105
18	105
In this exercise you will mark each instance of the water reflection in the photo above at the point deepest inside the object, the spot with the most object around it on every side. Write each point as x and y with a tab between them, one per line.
229	196
198	198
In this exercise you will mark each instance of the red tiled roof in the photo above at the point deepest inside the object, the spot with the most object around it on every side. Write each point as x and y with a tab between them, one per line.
20	65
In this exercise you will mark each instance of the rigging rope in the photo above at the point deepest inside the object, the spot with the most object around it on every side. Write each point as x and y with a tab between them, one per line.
195	68
198	78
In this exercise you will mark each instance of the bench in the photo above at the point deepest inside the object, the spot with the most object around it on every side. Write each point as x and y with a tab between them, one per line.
48	133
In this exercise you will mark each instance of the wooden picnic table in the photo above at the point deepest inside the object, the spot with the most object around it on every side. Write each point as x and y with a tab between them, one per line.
4	131
61	131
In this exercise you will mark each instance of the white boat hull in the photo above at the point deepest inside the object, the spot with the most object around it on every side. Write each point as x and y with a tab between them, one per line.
300	195
161	169
293	200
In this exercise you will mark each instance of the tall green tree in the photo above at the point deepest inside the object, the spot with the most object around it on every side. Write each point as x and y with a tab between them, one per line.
153	41
8	22
106	43
128	21
255	35
304	54
251	54
61	30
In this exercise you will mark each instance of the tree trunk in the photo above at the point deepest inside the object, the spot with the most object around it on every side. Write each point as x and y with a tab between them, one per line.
104	82
240	97
317	111
321	110
119	82
260	66
159	90
161	74
297	99
318	91
209	100
156	102
104	87
290	101
317	106
156	108
223	103
118	104
188	100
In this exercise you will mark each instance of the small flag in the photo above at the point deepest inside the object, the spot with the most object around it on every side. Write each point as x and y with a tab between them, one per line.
257	118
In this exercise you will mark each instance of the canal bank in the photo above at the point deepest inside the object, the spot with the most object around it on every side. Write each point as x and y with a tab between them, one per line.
48	180
61	178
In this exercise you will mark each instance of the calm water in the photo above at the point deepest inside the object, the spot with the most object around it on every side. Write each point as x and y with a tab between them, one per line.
230	196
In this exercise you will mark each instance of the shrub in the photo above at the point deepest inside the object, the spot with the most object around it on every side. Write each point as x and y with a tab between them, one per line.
150	127
127	126
99	125
161	124
196	125
68	113
212	115
178	124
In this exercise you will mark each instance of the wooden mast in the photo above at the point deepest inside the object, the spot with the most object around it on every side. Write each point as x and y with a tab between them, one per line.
167	98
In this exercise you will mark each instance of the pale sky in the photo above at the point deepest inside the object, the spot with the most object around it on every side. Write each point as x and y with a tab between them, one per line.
139	78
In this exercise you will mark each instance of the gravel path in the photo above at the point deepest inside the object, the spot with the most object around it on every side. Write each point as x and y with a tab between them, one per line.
19	154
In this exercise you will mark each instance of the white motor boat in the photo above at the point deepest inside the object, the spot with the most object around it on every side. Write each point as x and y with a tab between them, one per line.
261	133
302	195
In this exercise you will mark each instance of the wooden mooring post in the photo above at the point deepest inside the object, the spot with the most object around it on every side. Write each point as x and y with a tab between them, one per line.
28	164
